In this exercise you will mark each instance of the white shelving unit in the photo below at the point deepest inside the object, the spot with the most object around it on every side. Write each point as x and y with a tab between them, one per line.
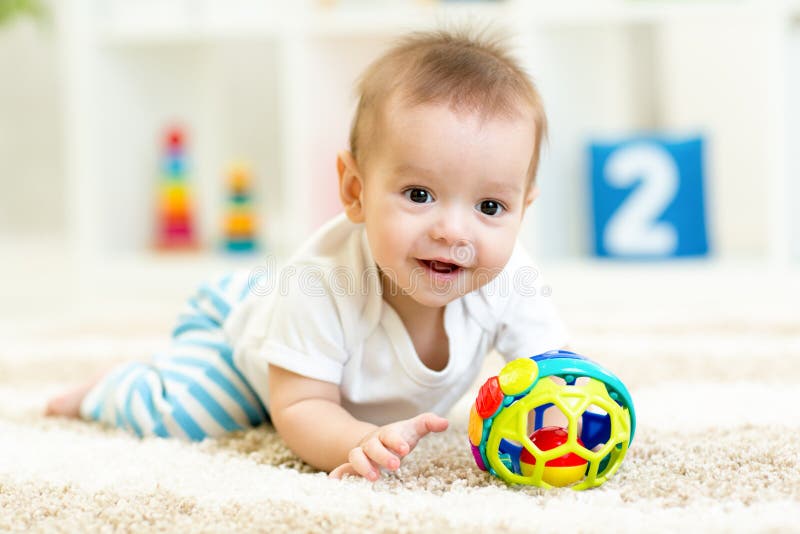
271	82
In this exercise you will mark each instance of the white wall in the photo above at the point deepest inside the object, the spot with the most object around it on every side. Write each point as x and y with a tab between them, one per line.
704	91
31	163
335	67
595	82
793	140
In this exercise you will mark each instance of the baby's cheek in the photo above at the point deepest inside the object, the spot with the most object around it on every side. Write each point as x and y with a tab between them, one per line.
383	257
380	237
490	265
495	254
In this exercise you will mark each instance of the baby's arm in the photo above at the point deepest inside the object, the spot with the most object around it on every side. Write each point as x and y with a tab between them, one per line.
309	417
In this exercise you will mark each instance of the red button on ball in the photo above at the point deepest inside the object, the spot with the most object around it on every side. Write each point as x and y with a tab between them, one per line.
490	397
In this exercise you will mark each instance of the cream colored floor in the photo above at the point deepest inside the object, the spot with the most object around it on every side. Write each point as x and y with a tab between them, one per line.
711	354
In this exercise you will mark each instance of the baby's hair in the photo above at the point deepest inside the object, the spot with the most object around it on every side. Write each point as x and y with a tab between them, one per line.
470	71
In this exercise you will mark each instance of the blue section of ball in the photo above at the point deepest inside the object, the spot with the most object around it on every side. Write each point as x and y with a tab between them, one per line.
552	354
539	415
510	452
596	429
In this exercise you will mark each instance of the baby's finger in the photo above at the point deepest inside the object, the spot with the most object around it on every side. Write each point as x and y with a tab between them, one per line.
363	465
393	440
424	424
433	422
343	470
378	453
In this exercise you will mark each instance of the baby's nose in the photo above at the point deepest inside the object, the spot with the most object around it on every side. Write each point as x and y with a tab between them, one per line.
453	232
449	228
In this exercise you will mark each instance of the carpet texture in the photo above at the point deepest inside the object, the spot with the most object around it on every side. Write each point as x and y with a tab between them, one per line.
717	450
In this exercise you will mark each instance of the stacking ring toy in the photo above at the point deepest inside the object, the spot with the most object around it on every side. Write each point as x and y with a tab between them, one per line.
552	420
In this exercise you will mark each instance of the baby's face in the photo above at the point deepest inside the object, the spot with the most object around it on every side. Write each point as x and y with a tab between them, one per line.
443	199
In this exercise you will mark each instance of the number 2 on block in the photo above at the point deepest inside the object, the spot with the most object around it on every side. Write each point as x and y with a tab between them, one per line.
634	229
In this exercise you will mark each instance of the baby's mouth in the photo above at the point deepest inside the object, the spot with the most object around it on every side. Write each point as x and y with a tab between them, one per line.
440	266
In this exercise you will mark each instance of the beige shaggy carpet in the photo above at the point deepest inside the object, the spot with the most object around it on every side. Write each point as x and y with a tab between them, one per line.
711	356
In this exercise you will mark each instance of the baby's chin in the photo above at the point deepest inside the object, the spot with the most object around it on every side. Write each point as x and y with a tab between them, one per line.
433	297
434	301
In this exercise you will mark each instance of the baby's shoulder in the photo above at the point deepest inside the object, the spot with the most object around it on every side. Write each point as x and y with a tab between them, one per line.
334	273
323	262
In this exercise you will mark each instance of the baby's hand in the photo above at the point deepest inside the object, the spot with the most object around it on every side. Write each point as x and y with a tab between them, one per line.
385	446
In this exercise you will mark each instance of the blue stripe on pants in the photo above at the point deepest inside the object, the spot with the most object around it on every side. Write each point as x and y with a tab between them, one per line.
192	391
205	399
253	413
219	302
194	322
147	397
226	352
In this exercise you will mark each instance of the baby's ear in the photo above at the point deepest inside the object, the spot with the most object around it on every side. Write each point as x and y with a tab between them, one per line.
531	195
351	187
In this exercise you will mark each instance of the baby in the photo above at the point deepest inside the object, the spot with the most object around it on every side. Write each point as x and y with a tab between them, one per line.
382	319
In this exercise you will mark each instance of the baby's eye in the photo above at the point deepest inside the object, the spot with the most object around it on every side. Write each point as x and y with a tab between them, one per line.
490	207
417	195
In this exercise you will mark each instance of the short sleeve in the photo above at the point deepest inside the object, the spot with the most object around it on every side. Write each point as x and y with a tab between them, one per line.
529	323
300	329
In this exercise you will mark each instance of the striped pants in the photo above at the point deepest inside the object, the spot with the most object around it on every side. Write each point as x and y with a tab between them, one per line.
192	391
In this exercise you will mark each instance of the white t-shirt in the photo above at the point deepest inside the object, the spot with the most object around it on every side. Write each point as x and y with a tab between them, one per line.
323	316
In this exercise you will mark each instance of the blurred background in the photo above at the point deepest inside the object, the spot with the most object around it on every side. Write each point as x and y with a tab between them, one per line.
146	145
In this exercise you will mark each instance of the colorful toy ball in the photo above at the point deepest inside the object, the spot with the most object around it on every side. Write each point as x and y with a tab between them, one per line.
509	436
